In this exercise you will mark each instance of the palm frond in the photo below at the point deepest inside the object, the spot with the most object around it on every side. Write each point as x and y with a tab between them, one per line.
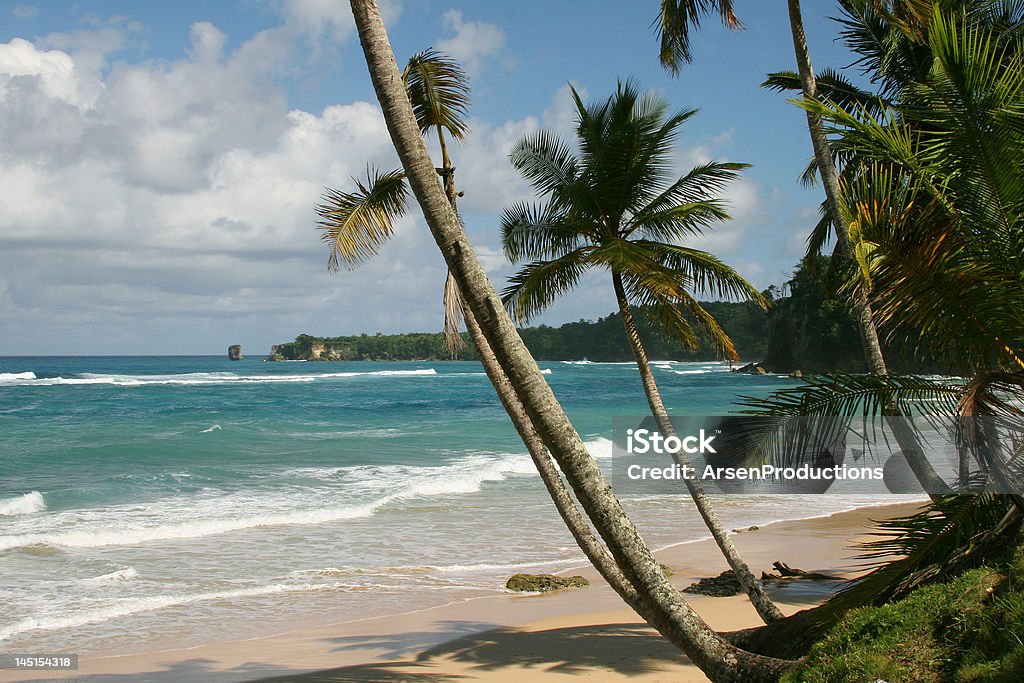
454	316
946	538
538	232
545	161
694	194
356	224
704	273
439	91
677	18
856	396
539	283
832	87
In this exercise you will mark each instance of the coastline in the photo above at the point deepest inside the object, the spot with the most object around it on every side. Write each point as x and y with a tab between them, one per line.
506	637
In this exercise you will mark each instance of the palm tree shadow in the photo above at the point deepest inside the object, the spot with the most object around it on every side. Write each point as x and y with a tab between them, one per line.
384	672
627	649
396	645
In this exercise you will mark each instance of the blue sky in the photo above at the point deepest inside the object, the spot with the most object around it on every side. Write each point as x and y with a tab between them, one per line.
162	160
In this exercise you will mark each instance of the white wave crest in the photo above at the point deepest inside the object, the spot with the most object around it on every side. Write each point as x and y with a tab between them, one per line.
210	429
100	537
599	447
16	376
196	378
117	527
22	505
129	606
113	577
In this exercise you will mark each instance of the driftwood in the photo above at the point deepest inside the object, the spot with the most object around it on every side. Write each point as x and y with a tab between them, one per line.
726	583
786	572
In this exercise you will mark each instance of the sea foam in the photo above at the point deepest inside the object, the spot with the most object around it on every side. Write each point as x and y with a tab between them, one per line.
115	526
129	606
195	378
26	504
16	377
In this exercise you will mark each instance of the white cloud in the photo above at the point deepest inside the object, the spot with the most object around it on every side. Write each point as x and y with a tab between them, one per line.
168	200
154	206
53	71
319	18
207	43
24	11
473	42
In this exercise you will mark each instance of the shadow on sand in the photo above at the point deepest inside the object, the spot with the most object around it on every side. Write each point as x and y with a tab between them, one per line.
627	649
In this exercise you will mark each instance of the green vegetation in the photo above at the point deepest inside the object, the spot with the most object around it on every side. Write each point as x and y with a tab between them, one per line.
600	340
610	200
969	629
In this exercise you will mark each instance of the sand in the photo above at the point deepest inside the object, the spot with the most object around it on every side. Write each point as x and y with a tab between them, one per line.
583	633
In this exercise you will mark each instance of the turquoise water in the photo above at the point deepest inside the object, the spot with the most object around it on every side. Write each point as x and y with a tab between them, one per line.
155	502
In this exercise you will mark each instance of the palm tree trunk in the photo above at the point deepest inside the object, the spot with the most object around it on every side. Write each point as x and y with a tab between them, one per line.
754	589
830	179
901	429
549	474
669	612
560	495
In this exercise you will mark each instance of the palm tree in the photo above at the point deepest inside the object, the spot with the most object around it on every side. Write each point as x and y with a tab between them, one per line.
939	210
615	205
356	224
667	611
673	23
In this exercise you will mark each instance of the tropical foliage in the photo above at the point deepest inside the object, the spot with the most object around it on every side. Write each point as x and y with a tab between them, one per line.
614	204
596	340
356	224
934	190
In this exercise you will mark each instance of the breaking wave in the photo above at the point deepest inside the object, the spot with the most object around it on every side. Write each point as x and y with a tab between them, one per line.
22	505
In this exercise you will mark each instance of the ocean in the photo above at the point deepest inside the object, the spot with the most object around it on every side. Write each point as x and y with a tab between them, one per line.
157	502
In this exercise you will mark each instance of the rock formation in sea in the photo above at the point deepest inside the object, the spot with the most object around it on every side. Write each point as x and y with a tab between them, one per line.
235	352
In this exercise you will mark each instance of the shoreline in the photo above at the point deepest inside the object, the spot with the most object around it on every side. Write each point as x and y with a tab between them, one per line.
519	634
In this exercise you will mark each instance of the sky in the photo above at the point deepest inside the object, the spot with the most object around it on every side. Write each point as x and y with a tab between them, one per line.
161	161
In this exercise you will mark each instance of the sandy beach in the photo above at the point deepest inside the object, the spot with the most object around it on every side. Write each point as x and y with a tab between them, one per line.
584	633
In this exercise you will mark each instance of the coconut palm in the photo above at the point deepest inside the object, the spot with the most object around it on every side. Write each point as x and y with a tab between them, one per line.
674	23
356	224
615	205
937	199
667	611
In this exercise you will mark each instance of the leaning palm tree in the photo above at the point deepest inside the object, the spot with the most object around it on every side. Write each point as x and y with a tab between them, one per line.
666	610
356	224
674	23
940	209
674	20
615	205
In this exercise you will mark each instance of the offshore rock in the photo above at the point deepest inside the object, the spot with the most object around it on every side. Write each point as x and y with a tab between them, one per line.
235	352
542	583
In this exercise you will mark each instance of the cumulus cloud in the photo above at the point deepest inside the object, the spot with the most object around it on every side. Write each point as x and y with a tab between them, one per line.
473	42
159	199
165	206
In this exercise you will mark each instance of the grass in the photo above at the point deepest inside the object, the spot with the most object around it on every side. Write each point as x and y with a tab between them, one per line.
965	631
